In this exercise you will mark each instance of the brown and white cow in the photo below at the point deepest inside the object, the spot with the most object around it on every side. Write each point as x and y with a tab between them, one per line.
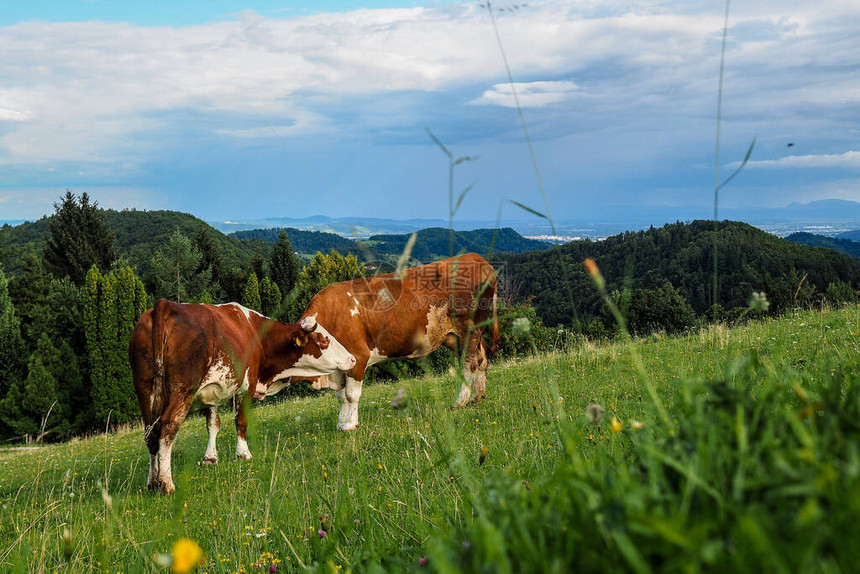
388	316
188	357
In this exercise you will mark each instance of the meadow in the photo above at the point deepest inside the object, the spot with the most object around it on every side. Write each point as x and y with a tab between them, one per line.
724	448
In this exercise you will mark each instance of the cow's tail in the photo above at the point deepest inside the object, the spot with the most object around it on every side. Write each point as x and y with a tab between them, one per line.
159	392
494	332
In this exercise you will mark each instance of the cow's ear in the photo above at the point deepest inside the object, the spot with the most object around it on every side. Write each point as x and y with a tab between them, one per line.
299	341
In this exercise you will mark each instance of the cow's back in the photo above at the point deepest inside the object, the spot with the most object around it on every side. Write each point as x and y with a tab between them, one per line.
386	314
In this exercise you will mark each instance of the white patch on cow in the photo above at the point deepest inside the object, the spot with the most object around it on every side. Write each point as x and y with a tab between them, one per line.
354	311
218	385
375	357
348	397
246	384
213	427
164	475
241	309
349	293
276	386
242	450
335	358
437	328
463	397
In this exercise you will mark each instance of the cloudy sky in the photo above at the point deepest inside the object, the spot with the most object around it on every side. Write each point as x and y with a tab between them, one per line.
246	110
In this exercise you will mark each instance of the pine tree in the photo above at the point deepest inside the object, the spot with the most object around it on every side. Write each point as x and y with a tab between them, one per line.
176	267
113	304
251	294
284	266
12	349
79	239
43	402
29	291
270	297
210	257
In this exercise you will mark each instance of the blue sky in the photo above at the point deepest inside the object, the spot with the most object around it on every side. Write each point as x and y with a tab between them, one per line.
231	110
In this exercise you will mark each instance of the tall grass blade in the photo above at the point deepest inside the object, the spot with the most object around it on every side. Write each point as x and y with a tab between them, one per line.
407	253
529	209
740	167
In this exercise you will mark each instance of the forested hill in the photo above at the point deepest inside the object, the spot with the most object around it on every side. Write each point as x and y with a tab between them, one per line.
303	242
682	255
434	243
138	234
847	246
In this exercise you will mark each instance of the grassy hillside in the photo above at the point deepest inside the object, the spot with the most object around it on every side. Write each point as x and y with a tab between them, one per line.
760	467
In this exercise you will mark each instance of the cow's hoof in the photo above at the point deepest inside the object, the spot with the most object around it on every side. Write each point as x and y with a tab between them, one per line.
348	427
209	461
244	455
162	487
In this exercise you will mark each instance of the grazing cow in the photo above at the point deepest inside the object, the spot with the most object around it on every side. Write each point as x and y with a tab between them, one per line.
186	357
388	316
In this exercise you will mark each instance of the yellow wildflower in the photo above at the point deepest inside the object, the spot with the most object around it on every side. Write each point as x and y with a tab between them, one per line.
186	555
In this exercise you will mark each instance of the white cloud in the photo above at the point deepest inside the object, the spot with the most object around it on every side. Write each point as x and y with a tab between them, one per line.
111	93
14	115
530	95
849	159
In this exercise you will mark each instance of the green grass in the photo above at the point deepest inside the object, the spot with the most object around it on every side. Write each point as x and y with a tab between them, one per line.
408	483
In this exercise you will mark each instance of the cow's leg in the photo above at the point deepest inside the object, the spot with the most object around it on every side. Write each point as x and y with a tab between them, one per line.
213	425
151	437
173	417
481	364
471	370
348	397
242	450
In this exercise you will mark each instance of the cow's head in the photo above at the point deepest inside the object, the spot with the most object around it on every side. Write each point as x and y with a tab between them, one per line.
321	353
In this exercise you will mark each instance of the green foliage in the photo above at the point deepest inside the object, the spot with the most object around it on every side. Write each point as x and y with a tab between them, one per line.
141	233
270	297
434	243
682	255
177	272
211	260
79	239
301	241
13	355
749	472
654	310
29	292
840	293
284	267
47	401
540	338
251	295
846	246
321	271
112	305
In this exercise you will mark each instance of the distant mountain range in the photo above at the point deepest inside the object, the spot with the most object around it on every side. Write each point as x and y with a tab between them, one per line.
825	217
